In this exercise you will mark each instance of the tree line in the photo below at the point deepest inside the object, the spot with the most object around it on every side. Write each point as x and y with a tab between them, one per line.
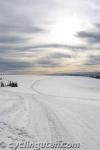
9	84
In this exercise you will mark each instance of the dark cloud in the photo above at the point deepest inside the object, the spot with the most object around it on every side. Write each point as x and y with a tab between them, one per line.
12	39
10	65
93	60
97	25
89	36
52	60
21	29
59	55
58	46
11	47
45	62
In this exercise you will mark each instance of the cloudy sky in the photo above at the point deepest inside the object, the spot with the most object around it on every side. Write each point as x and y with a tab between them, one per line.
49	36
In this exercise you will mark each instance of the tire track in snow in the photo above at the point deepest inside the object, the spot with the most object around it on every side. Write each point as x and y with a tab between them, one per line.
57	130
54	121
52	95
11	116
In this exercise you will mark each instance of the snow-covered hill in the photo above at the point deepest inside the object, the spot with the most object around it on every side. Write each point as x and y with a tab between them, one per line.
50	109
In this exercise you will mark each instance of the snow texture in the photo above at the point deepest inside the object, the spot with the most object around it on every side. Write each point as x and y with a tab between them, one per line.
51	109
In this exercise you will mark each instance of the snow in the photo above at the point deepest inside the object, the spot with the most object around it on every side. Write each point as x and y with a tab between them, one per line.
51	109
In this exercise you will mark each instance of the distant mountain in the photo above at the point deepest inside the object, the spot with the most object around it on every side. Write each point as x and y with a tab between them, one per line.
86	74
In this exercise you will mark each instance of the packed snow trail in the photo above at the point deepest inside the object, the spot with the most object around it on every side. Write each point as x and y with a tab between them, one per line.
51	109
82	128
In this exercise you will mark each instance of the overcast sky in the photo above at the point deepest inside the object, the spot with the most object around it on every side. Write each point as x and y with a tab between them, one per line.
49	36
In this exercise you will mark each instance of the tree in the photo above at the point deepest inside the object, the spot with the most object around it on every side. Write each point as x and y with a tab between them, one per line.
2	84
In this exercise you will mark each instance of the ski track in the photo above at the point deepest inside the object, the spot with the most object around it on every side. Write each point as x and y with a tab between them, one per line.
20	120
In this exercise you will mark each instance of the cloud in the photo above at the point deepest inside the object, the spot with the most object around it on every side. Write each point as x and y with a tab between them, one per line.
26	39
25	60
21	29
91	36
9	65
58	46
44	62
54	59
97	25
93	60
12	39
25	12
23	46
59	55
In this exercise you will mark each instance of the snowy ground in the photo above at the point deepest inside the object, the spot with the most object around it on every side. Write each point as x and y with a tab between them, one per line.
49	110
